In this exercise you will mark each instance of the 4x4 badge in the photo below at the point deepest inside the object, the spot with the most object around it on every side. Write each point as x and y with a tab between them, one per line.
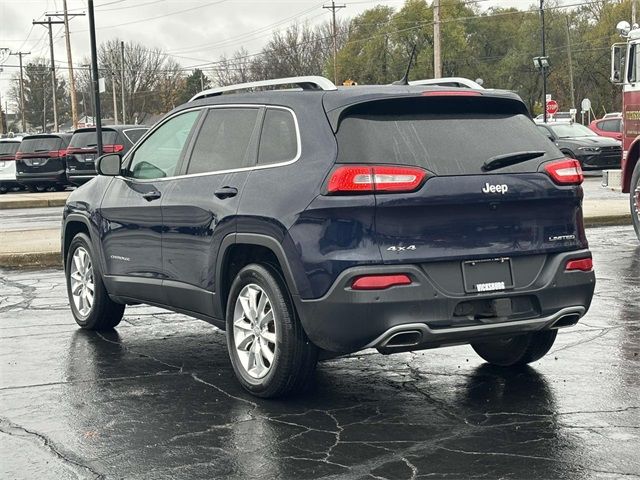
393	248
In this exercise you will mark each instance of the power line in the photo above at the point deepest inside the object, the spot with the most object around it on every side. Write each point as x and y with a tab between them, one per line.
148	19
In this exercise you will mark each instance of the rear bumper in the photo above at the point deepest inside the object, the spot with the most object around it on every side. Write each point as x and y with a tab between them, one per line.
58	177
600	160
80	177
347	320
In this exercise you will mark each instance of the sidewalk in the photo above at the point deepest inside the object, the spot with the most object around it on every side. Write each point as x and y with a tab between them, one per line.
41	248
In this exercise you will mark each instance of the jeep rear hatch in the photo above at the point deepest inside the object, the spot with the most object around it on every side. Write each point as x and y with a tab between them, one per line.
462	177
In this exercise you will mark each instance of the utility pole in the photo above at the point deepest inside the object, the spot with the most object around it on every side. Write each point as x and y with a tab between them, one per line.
333	7
20	55
634	10
49	23
437	55
94	76
573	97
113	93
1	117
124	115
72	84
544	70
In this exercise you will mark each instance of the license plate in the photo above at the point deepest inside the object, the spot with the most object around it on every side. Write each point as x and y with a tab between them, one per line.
89	158
35	163
488	275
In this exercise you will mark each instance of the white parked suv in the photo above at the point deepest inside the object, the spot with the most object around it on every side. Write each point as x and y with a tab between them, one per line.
8	149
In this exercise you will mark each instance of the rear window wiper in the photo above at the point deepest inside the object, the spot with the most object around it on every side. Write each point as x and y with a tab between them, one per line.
508	159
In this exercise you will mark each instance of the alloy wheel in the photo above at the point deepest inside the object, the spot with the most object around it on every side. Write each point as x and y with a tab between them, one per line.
82	282
254	331
636	195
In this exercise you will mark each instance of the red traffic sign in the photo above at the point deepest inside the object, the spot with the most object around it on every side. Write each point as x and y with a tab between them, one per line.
552	107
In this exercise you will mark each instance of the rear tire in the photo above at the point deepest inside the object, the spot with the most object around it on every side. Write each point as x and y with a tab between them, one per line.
634	199
92	310
517	350
269	350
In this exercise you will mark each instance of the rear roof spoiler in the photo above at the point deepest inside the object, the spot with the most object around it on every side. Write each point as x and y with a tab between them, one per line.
501	97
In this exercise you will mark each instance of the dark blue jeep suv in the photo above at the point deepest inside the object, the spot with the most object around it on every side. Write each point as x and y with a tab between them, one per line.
318	221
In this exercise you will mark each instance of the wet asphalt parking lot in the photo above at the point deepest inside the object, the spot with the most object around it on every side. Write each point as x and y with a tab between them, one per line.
157	398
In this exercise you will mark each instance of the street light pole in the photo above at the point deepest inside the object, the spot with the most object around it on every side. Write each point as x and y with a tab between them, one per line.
94	77
543	69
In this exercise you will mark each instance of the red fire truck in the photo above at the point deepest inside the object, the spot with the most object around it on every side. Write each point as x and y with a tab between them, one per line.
625	71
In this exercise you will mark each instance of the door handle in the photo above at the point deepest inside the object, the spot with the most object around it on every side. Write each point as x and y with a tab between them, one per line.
152	195
226	192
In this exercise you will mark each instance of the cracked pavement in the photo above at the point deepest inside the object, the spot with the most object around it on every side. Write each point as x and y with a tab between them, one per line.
157	398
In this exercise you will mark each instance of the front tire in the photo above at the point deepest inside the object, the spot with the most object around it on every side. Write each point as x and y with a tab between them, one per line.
634	199
517	350
90	303
269	350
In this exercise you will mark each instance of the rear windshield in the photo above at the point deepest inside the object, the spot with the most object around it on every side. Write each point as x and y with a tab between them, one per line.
443	143
40	144
7	148
89	138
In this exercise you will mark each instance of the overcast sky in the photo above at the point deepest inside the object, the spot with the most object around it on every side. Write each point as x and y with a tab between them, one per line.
193	31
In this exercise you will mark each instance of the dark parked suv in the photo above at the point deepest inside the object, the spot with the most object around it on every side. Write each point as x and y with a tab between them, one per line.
321	221
82	148
40	161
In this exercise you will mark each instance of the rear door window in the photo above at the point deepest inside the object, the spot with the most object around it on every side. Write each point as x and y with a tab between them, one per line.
223	141
40	144
279	138
610	125
447	143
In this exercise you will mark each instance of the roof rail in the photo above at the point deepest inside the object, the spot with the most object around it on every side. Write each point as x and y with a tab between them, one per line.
449	82
305	83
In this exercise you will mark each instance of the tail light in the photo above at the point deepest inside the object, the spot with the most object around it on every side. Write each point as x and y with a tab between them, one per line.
565	172
57	153
451	93
112	148
19	155
7	158
582	264
380	282
360	178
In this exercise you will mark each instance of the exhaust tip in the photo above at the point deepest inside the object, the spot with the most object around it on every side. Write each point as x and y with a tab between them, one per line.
567	320
408	338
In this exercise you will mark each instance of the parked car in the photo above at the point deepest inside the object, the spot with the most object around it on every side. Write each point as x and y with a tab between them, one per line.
579	142
41	163
325	221
82	151
8	149
557	117
608	127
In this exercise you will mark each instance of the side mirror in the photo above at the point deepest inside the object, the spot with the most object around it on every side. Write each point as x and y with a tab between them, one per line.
109	165
618	54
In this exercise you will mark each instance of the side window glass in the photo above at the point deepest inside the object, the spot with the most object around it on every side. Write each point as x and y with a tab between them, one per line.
134	134
223	140
279	140
160	153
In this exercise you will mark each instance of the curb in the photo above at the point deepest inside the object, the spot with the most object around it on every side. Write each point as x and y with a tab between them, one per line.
30	259
32	203
608	220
